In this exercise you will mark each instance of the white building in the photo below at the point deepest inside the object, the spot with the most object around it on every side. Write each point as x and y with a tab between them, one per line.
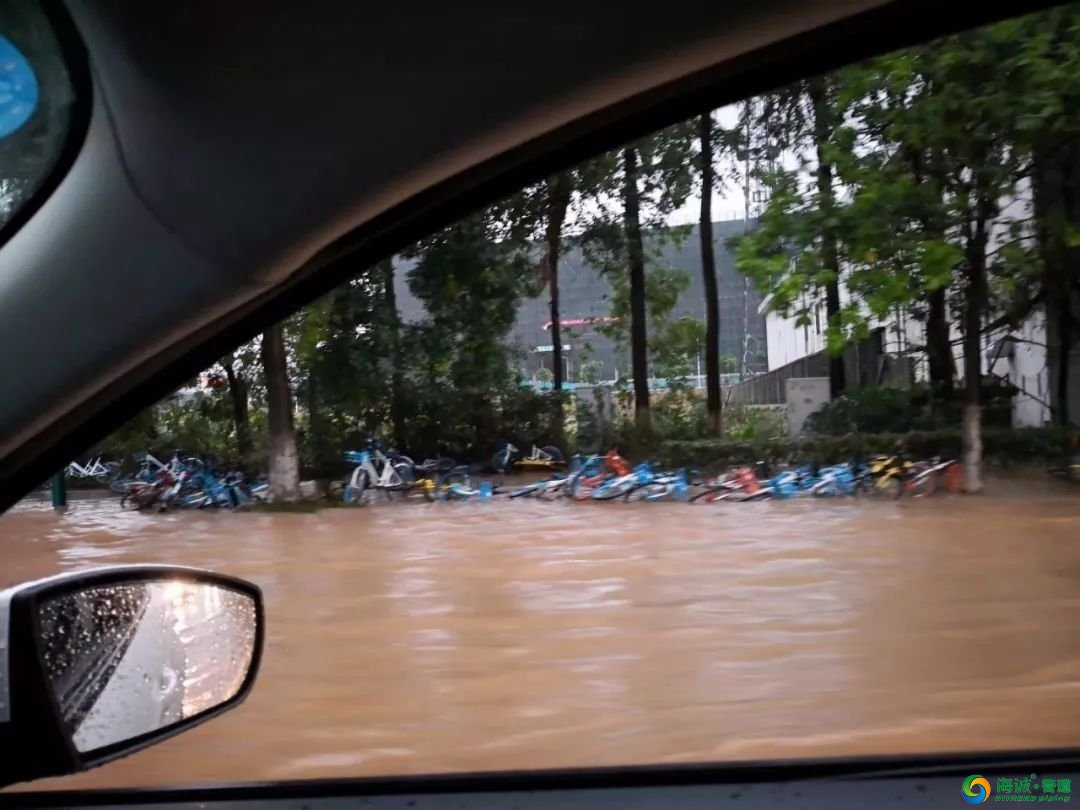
1018	356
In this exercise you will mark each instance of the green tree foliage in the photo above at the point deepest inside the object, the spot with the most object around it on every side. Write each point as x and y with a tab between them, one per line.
941	182
462	377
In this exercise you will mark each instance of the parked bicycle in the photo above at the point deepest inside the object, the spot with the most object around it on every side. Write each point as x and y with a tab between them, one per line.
149	494
922	477
662	486
508	456
618	486
150	467
96	469
377	470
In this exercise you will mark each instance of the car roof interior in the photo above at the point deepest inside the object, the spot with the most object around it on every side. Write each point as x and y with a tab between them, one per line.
233	161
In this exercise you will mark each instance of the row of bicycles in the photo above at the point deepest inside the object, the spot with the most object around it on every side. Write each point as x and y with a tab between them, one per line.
611	477
377	468
186	482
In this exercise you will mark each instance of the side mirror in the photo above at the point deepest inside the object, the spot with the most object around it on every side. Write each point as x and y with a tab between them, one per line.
98	664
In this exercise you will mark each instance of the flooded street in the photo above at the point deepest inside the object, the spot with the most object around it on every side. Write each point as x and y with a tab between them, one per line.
409	638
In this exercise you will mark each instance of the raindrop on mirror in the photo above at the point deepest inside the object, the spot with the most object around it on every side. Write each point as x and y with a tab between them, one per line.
125	660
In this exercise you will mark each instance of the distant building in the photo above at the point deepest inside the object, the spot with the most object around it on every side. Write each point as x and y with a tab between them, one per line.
585	302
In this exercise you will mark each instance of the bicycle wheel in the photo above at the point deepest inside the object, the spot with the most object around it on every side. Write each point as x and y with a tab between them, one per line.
459	477
553	492
130	502
195	500
888	487
427	489
613	491
406	471
647	492
713	494
354	493
122	486
921	485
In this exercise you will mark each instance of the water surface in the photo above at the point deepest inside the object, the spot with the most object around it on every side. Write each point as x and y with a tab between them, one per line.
410	638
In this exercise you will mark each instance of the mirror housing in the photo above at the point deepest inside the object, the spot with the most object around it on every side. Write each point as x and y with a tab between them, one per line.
96	665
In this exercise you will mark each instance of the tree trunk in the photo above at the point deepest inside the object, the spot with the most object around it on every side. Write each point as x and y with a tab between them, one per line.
238	392
939	353
975	301
559	189
393	327
830	253
708	276
939	345
1051	186
639	345
284	460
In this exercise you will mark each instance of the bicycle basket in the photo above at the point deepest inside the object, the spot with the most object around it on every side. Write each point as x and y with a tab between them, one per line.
357	456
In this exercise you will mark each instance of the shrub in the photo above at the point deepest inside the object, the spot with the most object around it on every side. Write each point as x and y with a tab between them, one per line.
901	410
746	423
870	410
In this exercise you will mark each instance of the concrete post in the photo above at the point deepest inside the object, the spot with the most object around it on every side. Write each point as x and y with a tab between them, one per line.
59	490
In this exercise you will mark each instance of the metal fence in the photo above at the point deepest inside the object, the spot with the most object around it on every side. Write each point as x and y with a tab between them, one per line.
865	365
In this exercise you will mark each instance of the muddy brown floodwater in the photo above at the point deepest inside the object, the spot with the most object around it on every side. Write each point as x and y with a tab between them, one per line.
410	638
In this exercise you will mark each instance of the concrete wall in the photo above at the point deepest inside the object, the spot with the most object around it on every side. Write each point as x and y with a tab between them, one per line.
1021	357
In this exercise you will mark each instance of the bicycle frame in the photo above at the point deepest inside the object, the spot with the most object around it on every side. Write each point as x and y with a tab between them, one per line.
837	480
663	485
92	469
641	475
386	478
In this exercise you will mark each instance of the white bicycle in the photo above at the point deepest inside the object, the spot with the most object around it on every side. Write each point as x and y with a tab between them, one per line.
101	471
149	464
374	470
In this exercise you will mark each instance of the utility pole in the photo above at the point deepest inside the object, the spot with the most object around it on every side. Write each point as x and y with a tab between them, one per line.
744	360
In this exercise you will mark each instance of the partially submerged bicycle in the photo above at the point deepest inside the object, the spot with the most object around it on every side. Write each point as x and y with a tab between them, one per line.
542	458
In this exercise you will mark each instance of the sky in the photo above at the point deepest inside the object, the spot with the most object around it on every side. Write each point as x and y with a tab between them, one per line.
727	203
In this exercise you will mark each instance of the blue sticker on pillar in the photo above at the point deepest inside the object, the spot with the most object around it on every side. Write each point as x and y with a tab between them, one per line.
18	88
